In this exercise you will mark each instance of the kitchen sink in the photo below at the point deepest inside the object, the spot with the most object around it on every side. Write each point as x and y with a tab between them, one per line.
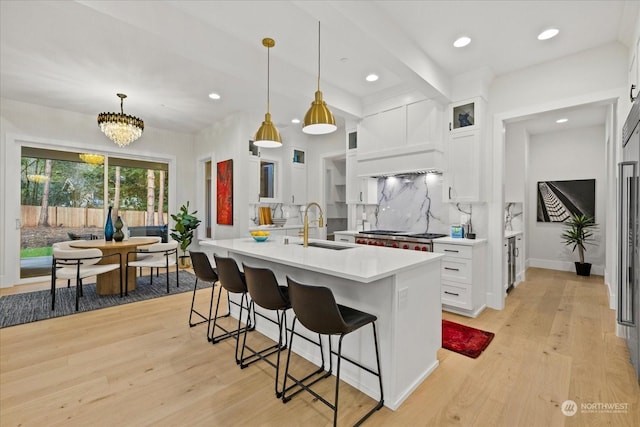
328	246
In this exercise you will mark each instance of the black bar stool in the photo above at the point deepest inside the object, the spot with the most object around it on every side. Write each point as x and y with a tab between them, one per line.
317	310
264	290
233	281
204	272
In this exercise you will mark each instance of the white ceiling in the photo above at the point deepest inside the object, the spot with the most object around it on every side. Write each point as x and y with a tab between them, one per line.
168	56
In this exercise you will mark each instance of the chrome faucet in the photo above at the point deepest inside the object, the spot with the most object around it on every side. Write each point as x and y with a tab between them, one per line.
305	235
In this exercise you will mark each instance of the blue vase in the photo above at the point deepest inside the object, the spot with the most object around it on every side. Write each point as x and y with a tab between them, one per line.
108	227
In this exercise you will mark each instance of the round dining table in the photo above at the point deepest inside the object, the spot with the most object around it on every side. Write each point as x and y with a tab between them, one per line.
109	283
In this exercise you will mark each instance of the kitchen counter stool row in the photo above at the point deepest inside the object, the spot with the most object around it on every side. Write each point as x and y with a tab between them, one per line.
314	307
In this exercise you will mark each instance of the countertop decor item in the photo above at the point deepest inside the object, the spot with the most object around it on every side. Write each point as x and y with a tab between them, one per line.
108	227
119	127
260	236
577	233
118	235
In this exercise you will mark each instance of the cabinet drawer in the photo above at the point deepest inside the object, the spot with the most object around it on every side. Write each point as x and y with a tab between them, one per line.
456	295
456	269
457	251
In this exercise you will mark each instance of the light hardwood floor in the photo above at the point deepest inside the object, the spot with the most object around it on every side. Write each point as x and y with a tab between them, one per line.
141	365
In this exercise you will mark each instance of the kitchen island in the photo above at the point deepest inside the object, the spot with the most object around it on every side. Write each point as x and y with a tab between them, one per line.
402	288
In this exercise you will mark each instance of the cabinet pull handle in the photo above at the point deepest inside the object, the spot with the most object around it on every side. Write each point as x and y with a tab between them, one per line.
361	196
451	293
449	126
451	250
449	193
452	269
631	97
517	252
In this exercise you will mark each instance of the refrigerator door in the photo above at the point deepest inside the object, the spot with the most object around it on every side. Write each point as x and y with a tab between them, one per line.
629	273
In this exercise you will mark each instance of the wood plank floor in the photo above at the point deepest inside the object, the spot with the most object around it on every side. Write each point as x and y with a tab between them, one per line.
141	365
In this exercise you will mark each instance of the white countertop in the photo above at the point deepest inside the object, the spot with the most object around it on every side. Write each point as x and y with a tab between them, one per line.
460	241
361	263
510	233
348	232
284	227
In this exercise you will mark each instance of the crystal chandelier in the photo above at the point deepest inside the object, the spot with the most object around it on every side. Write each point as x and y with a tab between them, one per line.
119	127
92	159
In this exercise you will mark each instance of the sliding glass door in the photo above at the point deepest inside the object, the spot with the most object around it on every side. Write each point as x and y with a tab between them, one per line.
63	197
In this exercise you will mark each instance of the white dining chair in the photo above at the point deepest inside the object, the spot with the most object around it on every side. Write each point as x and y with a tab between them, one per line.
157	255
79	264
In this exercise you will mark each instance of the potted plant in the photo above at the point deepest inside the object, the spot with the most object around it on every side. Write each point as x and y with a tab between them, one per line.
578	232
186	223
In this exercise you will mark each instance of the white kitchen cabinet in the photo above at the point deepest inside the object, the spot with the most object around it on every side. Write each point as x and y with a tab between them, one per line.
519	259
382	131
253	180
295	176
505	265
360	190
463	177
424	123
346	237
462	274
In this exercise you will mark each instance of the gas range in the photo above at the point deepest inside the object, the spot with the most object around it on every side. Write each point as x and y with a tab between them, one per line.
398	239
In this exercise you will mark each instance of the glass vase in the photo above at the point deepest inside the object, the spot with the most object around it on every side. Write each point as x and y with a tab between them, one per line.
118	236
108	227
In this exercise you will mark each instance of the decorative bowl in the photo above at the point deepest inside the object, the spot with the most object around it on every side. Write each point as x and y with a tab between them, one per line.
260	238
279	222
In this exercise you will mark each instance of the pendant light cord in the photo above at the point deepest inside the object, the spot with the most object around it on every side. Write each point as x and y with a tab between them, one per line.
268	68
318	55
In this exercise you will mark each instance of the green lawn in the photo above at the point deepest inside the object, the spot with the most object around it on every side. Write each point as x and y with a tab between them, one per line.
34	252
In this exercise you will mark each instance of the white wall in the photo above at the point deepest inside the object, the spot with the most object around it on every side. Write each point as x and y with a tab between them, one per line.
516	138
558	156
28	124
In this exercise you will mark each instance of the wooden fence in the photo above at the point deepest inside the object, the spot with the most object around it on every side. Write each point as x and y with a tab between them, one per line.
82	217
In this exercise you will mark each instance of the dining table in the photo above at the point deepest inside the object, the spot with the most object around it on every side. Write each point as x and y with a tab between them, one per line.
109	283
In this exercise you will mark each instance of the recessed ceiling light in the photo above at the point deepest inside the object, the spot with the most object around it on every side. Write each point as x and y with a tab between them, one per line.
563	120
296	121
371	77
548	34
462	41
214	95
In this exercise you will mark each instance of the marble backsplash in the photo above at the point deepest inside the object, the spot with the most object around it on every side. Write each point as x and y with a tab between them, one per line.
513	219
409	203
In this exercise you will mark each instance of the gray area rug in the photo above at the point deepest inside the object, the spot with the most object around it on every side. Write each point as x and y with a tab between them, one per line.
34	306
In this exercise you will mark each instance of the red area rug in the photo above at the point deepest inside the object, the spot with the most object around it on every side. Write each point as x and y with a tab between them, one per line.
464	339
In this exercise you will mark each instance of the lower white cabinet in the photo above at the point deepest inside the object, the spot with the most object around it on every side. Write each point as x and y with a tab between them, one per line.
344	237
462	274
519	258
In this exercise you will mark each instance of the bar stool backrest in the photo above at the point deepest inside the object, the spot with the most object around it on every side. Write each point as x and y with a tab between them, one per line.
264	289
202	267
230	276
316	308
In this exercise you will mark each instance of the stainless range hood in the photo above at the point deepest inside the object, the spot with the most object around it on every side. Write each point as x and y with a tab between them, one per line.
419	158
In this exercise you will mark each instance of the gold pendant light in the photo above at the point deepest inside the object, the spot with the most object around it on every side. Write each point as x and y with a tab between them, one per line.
319	120
267	136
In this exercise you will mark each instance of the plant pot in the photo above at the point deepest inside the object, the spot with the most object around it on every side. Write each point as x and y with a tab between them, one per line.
184	261
583	269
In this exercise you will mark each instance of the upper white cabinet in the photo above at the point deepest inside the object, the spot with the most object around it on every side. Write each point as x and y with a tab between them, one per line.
253	173
424	123
382	131
463	179
295	176
403	139
360	190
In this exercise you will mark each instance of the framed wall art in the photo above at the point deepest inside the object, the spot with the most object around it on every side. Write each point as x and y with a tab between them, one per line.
559	200
224	192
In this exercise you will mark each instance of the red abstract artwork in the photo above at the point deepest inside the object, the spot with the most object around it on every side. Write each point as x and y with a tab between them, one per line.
225	193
